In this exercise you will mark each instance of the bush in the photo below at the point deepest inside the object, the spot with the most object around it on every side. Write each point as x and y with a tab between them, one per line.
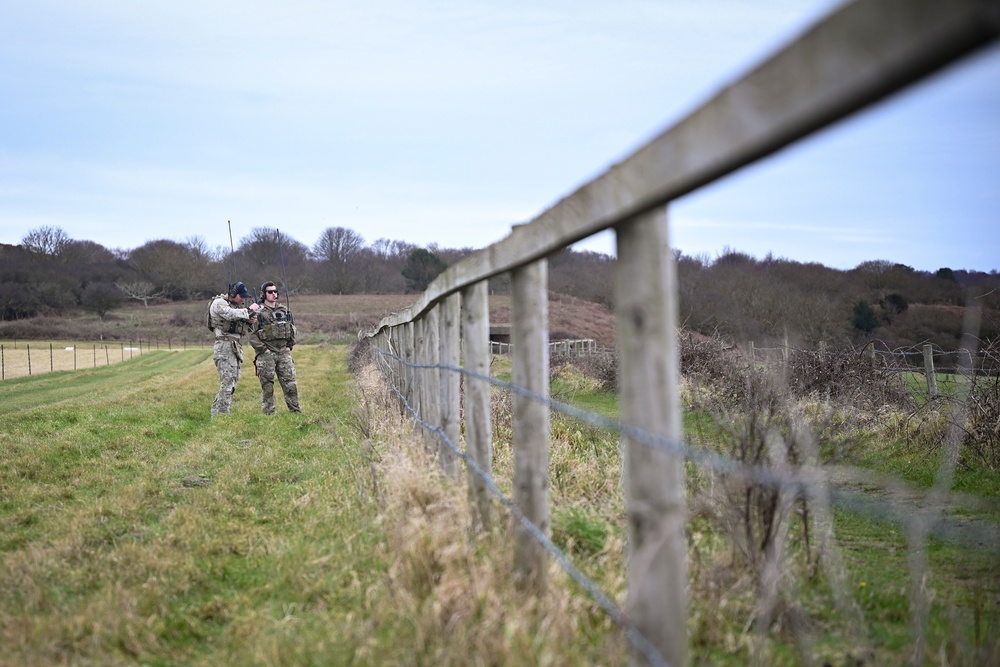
99	298
864	317
846	378
981	441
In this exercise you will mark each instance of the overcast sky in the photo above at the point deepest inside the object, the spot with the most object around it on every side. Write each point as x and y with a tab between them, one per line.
447	122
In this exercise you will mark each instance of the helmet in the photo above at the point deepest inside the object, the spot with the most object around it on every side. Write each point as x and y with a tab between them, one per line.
239	289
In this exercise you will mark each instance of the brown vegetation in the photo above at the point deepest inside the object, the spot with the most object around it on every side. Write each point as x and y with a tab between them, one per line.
743	298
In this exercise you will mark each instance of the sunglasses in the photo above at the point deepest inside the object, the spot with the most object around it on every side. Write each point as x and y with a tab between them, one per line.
271	291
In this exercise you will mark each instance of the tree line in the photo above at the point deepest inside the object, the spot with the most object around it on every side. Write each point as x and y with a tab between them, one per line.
768	300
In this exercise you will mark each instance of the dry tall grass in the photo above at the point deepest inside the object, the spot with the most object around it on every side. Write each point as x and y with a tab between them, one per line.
775	576
456	587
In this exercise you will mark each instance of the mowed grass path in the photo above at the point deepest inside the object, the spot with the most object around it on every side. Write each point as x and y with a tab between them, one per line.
136	530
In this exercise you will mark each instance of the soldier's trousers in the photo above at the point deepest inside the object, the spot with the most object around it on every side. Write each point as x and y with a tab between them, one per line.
277	364
227	355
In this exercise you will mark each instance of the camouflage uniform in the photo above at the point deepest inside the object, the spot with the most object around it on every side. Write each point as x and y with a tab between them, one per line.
229	324
272	339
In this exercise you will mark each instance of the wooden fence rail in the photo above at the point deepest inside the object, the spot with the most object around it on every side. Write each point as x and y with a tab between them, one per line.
860	54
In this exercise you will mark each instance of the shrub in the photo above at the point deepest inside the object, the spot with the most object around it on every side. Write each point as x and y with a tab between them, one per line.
99	298
846	378
981	441
864	317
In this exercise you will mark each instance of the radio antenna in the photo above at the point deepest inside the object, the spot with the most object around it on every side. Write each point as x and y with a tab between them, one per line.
281	258
232	253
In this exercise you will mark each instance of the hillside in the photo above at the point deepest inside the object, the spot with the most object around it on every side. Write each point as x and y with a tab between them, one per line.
319	317
735	295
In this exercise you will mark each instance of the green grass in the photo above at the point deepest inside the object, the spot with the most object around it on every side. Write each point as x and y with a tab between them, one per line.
133	528
949	385
964	616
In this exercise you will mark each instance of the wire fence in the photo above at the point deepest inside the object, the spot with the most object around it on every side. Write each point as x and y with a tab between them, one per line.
859	54
910	358
812	481
21	358
941	371
582	347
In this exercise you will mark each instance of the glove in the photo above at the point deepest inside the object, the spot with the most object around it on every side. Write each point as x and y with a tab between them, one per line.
290	348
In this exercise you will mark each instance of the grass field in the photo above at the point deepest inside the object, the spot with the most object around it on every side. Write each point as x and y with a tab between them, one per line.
136	530
34	357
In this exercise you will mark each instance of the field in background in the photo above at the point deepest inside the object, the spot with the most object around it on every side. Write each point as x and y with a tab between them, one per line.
24	358
178	326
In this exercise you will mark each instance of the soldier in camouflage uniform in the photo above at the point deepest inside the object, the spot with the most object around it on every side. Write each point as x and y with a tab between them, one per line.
229	322
272	339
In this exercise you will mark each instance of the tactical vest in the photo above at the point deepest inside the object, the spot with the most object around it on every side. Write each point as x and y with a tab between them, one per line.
234	327
276	327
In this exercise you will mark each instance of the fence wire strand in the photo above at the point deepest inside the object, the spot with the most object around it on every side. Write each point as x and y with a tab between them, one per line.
811	482
804	483
618	616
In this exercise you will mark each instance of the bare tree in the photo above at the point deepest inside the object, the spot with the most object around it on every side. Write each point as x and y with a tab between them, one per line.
51	242
381	265
874	273
140	290
87	253
171	266
101	298
262	253
203	267
337	249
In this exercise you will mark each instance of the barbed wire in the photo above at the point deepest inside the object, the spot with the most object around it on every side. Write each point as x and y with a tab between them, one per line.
804	482
919	522
618	616
984	360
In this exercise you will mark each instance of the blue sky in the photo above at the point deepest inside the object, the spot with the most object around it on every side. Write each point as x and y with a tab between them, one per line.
447	122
